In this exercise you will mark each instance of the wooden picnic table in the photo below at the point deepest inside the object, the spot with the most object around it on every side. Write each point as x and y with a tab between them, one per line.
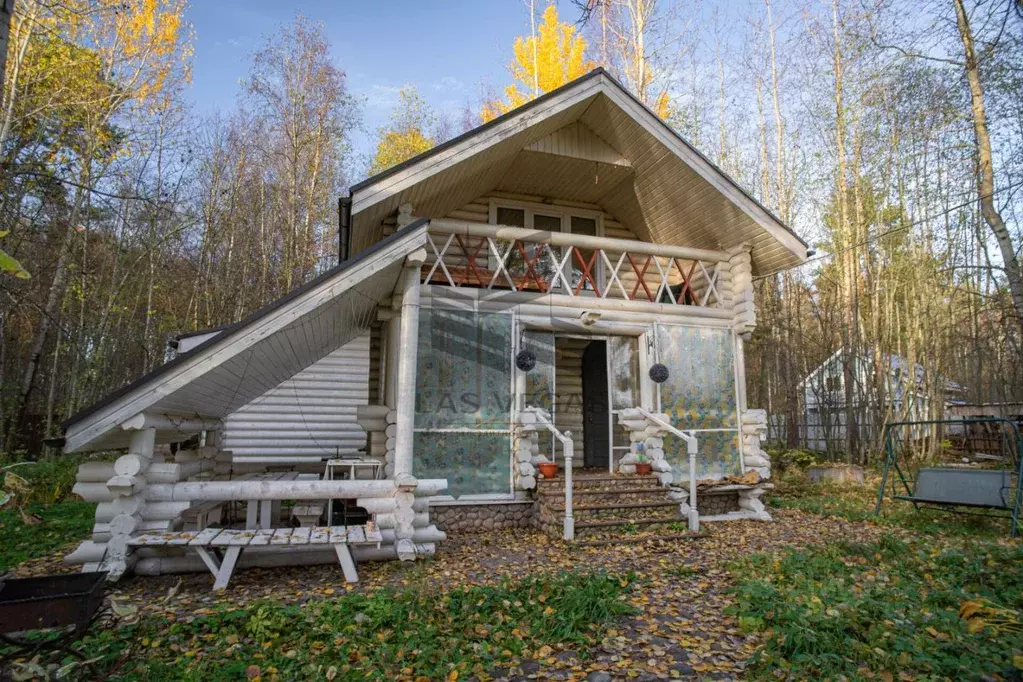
220	548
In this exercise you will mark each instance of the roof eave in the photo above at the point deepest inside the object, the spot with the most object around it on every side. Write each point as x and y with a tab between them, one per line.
84	420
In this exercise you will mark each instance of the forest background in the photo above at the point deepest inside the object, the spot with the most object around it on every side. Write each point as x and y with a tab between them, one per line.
887	133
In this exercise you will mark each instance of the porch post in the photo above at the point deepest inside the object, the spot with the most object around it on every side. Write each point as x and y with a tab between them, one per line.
127	488
408	351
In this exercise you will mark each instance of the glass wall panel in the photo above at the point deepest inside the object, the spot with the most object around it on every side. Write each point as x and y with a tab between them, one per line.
463	377
463	400
473	463
698	395
540	381
717	455
624	359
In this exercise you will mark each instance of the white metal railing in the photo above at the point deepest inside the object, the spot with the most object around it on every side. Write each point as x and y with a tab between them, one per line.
464	254
568	448
691	447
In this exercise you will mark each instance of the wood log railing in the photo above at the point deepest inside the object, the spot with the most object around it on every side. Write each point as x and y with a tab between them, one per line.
464	254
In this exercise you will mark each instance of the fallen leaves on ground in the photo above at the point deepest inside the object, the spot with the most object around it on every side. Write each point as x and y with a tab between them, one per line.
680	629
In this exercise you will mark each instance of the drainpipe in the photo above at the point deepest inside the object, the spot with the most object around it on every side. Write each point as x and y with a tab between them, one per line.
344	228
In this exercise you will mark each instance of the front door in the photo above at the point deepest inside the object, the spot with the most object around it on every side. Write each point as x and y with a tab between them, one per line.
596	439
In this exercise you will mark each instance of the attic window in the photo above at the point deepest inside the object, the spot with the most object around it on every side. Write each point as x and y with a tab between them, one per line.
552	218
537	216
512	217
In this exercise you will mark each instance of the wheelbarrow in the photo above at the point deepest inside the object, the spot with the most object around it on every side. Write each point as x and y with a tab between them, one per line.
64	605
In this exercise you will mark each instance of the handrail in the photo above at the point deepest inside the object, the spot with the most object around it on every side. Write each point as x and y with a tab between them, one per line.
508	233
691	447
568	448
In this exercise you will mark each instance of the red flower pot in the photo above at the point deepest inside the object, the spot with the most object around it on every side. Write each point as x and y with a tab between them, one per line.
548	469
643	467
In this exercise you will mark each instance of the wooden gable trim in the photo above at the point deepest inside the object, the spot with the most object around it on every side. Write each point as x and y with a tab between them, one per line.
432	162
578	142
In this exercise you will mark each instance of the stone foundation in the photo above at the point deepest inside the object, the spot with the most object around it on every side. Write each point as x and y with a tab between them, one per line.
712	504
467	517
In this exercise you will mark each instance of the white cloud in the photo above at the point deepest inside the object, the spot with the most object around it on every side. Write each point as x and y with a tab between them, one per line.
449	84
380	96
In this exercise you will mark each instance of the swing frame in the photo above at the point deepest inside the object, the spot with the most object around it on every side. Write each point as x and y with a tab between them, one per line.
1013	466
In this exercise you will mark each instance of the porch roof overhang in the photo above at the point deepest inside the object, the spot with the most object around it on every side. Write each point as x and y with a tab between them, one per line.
589	141
246	359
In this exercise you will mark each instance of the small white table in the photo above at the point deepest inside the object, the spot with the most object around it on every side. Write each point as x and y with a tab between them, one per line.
353	465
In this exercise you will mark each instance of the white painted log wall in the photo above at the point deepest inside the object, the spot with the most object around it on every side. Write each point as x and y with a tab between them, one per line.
309	416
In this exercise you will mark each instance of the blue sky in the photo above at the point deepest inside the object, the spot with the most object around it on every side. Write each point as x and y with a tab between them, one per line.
444	48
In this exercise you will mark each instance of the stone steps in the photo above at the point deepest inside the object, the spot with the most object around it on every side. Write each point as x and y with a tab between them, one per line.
665	510
617	505
560	492
589	482
606	502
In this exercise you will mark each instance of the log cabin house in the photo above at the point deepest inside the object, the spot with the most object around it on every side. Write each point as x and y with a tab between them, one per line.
571	283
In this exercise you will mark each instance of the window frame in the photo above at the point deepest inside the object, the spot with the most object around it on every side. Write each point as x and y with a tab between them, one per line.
565	213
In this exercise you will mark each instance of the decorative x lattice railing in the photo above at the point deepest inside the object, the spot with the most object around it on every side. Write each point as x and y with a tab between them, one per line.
526	260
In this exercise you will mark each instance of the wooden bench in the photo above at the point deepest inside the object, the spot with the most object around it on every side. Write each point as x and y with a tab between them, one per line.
207	543
202	514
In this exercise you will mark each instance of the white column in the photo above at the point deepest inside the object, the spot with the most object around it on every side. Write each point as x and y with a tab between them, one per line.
740	373
408	347
393	353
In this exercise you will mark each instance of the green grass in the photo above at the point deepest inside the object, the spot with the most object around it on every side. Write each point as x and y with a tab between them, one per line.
856	503
374	636
857	610
62	523
45	481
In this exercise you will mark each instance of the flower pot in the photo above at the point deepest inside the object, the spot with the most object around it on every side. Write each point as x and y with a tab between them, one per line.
643	467
548	469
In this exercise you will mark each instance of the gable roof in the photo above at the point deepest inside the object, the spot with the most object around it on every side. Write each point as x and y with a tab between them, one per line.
661	186
247	358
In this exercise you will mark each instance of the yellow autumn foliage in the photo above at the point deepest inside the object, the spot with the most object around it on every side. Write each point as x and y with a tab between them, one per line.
80	63
406	136
560	58
396	146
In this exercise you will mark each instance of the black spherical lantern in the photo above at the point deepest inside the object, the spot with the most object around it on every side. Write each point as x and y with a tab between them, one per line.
658	373
525	360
